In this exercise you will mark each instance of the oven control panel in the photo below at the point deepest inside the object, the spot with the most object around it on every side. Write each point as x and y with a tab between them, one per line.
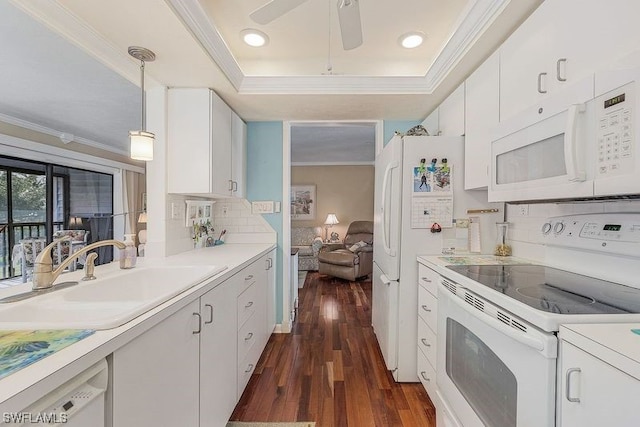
612	232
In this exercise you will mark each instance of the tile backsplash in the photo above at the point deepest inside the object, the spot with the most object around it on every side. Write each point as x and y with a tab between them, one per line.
526	221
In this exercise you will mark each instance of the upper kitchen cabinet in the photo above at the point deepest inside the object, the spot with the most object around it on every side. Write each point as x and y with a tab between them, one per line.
206	140
431	123
482	114
561	43
451	114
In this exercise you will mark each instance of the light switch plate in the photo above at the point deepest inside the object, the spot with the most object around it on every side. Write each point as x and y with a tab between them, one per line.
262	207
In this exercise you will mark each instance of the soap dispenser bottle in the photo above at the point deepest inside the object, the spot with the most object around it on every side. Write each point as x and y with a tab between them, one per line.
128	255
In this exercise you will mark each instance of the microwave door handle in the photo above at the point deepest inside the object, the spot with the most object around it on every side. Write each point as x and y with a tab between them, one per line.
575	172
385	214
521	337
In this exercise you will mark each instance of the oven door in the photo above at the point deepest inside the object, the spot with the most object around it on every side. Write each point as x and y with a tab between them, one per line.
492	373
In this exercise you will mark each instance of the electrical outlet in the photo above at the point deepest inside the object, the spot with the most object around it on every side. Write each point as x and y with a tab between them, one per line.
176	210
523	210
225	210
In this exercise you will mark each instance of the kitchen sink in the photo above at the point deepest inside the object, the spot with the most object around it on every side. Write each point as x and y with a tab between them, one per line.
105	303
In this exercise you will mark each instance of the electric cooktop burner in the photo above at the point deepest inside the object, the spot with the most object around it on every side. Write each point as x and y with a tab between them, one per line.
554	291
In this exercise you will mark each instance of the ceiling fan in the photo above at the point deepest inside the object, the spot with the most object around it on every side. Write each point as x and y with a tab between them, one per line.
348	15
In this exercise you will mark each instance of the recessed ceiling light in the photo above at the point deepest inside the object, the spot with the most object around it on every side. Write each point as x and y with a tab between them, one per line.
254	38
411	39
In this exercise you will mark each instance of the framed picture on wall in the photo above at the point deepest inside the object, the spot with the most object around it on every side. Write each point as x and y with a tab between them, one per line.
303	202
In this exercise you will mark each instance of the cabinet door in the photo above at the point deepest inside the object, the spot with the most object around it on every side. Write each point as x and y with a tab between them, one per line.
189	141
432	123
600	394
451	113
218	353
238	155
482	114
221	146
156	376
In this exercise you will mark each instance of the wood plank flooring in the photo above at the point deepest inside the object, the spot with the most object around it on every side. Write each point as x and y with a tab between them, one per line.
330	369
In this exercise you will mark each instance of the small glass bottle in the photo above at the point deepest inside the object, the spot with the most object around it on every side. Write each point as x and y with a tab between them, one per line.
503	248
128	255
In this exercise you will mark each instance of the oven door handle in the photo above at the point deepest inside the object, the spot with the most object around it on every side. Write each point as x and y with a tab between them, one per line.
499	326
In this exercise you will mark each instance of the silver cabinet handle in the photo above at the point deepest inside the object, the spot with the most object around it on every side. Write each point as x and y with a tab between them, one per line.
199	324
249	336
249	368
540	83
567	390
423	374
425	343
270	262
249	304
427	309
234	186
427	280
249	277
230	185
558	71
210	307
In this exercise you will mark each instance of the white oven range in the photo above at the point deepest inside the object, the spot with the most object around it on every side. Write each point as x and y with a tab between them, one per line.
497	348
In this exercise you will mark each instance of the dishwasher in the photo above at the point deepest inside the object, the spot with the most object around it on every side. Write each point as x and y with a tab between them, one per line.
80	402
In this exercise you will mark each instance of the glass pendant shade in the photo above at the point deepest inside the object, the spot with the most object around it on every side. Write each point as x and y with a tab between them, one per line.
141	145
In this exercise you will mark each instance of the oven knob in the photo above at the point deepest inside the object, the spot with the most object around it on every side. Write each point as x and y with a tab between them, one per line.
558	228
546	228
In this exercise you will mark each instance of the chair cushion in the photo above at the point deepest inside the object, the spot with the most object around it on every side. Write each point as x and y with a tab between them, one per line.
339	257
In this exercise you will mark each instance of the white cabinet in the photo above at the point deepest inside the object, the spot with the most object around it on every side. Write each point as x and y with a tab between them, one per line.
203	136
592	393
482	114
432	122
427	327
451	113
559	44
270	270
156	378
218	381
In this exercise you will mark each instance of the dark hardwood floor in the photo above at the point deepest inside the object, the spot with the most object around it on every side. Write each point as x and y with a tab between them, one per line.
330	369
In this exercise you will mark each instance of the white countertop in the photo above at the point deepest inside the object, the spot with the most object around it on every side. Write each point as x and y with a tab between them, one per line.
614	343
23	387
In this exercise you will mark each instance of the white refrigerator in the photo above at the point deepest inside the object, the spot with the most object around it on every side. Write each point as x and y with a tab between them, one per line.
398	241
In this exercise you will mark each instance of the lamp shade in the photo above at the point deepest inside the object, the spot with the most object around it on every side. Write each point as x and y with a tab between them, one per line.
141	145
331	219
142	218
75	221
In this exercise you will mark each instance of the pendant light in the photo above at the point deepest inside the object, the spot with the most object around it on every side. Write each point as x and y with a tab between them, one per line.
141	140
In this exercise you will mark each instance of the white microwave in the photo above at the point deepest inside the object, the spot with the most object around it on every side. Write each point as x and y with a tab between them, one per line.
572	145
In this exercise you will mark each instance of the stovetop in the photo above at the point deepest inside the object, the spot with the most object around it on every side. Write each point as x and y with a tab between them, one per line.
554	291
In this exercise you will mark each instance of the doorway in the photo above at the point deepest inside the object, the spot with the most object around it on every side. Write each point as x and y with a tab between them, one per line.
322	147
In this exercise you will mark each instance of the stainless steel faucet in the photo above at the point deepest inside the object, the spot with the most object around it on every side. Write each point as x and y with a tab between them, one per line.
43	273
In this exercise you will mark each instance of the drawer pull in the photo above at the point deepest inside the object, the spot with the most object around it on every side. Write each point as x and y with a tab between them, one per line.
423	374
210	307
427	280
199	324
249	336
425	343
249	277
249	304
249	368
427	309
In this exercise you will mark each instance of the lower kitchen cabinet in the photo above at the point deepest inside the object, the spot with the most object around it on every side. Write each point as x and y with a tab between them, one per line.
156	377
593	393
190	369
427	327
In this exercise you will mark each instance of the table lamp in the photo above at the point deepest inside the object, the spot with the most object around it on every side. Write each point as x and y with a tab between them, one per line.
329	222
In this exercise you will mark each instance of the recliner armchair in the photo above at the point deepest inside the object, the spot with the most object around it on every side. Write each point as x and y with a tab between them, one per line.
354	258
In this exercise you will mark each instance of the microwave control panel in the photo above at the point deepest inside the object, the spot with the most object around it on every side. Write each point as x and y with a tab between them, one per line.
615	134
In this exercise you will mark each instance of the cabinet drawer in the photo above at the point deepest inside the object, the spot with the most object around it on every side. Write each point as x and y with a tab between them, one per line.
428	308
428	279
248	335
427	375
247	303
427	341
250	274
246	367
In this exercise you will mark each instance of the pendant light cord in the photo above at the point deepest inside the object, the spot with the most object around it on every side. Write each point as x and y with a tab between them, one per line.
144	100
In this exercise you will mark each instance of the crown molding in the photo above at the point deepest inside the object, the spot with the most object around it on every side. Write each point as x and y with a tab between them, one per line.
197	21
58	134
476	18
59	19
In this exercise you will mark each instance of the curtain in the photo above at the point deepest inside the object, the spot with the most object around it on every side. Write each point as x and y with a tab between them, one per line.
132	201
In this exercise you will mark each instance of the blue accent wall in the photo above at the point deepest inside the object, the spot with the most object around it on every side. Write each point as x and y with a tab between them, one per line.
390	126
264	182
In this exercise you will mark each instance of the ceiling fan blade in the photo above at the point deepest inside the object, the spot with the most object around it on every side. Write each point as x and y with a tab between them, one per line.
350	24
274	9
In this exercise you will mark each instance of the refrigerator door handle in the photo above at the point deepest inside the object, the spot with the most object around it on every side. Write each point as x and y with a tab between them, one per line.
384	279
385	218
